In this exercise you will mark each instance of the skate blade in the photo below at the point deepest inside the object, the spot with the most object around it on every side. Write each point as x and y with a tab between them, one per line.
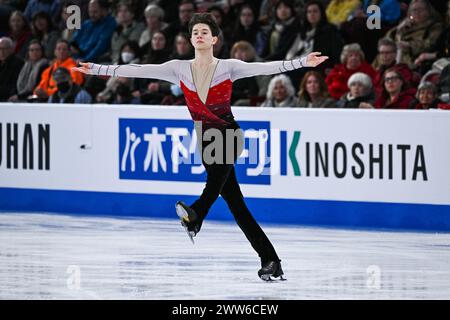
270	278
189	233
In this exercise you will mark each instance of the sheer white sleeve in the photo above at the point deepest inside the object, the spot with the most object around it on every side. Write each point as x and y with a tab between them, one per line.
165	71
240	69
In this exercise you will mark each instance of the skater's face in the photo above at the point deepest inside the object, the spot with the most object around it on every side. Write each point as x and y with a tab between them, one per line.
202	37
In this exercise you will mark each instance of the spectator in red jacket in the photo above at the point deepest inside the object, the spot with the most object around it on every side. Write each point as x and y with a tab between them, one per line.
385	60
395	95
353	61
426	97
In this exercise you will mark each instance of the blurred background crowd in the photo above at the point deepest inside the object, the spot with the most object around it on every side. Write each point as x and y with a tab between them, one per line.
402	63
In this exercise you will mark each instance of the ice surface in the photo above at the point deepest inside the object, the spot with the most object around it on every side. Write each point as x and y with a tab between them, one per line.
47	256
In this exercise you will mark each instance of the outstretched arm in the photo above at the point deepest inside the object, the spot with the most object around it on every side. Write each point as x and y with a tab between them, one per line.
240	69
165	71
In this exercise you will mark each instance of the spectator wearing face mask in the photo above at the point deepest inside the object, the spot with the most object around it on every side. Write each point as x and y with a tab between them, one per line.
10	66
128	29
68	91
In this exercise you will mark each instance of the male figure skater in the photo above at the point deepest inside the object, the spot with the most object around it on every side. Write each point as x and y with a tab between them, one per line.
207	83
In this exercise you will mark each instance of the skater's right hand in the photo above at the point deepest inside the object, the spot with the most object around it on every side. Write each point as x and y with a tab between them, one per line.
85	67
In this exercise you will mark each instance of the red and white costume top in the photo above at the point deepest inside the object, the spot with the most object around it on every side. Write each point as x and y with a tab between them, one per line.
216	111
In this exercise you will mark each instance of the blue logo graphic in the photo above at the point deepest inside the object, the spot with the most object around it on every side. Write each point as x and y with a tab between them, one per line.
166	150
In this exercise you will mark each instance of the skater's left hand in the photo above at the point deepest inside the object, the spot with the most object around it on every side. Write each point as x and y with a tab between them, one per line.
314	59
85	67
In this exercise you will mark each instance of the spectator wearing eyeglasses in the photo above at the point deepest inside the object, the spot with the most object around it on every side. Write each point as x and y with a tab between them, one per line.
385	60
395	94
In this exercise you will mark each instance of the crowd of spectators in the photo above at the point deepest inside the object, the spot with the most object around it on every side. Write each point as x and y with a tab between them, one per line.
402	63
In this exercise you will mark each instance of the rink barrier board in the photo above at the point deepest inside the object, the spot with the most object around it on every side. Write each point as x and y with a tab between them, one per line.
82	164
346	214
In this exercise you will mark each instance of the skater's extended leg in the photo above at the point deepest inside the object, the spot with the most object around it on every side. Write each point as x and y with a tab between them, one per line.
232	194
217	174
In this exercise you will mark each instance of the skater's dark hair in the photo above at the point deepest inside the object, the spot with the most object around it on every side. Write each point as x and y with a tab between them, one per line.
206	18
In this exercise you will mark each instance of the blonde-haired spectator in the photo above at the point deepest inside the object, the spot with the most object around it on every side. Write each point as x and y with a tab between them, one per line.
353	60
417	33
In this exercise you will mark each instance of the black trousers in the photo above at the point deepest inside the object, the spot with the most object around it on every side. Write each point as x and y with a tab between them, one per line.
221	180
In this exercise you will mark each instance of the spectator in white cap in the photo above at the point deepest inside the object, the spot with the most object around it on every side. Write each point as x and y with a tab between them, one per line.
360	91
